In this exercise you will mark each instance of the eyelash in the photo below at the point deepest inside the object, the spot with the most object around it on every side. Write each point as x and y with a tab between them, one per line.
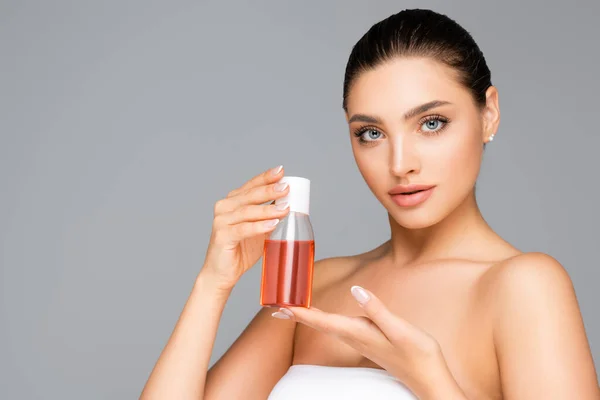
445	121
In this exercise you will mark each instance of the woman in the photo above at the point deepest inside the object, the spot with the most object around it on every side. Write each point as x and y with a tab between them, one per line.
445	309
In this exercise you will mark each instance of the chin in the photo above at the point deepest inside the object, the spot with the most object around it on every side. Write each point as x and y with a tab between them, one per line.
413	219
427	214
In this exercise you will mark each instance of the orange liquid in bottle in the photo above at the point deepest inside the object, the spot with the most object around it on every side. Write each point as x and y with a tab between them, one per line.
287	273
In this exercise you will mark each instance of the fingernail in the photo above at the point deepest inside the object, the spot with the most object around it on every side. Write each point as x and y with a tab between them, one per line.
286	312
359	294
281	206
276	170
280	315
271	223
280	187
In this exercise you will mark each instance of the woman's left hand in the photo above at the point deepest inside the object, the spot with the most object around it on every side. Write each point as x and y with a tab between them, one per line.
407	352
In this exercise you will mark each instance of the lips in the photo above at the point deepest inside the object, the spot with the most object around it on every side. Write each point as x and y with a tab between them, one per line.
409	189
411	195
416	191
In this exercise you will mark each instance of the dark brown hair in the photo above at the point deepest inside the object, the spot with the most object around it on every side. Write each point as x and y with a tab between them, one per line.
421	33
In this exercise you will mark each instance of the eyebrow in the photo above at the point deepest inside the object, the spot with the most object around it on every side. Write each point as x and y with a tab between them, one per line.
408	115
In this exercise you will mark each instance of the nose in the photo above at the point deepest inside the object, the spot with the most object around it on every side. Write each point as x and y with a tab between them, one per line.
404	159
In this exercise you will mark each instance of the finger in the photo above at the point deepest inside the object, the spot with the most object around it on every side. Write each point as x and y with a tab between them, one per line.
264	178
252	213
346	327
238	232
359	332
368	339
392	326
257	195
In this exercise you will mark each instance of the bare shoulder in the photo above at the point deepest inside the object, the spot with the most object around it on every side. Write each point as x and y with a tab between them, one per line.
527	274
534	309
527	279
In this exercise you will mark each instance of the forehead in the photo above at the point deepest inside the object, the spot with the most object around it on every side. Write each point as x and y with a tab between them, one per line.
402	83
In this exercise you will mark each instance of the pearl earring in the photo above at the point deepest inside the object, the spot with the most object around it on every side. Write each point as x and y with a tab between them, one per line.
491	137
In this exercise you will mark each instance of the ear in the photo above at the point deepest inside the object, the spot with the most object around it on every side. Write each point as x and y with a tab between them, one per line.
490	114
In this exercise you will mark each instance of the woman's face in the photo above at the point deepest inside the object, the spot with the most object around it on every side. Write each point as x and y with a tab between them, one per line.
441	145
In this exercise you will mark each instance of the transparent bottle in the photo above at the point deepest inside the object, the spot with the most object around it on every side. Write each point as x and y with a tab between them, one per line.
289	252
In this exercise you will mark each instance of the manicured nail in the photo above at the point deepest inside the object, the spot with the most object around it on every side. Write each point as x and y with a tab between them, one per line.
359	294
286	312
276	170
282	206
280	315
280	187
271	222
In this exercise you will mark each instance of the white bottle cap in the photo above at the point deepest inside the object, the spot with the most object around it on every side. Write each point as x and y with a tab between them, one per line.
299	194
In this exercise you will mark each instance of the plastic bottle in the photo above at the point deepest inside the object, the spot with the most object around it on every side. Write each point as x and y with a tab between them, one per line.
288	256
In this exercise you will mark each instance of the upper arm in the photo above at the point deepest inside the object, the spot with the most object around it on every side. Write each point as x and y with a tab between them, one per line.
539	335
262	353
255	361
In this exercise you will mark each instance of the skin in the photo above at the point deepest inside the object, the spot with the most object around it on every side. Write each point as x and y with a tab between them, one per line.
470	316
444	270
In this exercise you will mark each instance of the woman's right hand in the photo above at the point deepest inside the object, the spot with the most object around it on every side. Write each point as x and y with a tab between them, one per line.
240	226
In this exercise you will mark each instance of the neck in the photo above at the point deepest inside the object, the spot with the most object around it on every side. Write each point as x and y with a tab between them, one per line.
446	239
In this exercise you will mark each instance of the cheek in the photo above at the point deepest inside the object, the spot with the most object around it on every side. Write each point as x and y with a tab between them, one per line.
372	164
460	159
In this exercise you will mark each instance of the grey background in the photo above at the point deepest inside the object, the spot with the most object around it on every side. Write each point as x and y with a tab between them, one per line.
122	122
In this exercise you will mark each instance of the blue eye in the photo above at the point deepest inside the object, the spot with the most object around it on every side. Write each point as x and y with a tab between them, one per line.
434	124
370	133
430	125
366	132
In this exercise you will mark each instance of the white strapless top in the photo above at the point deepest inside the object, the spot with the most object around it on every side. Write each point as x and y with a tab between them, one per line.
320	382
